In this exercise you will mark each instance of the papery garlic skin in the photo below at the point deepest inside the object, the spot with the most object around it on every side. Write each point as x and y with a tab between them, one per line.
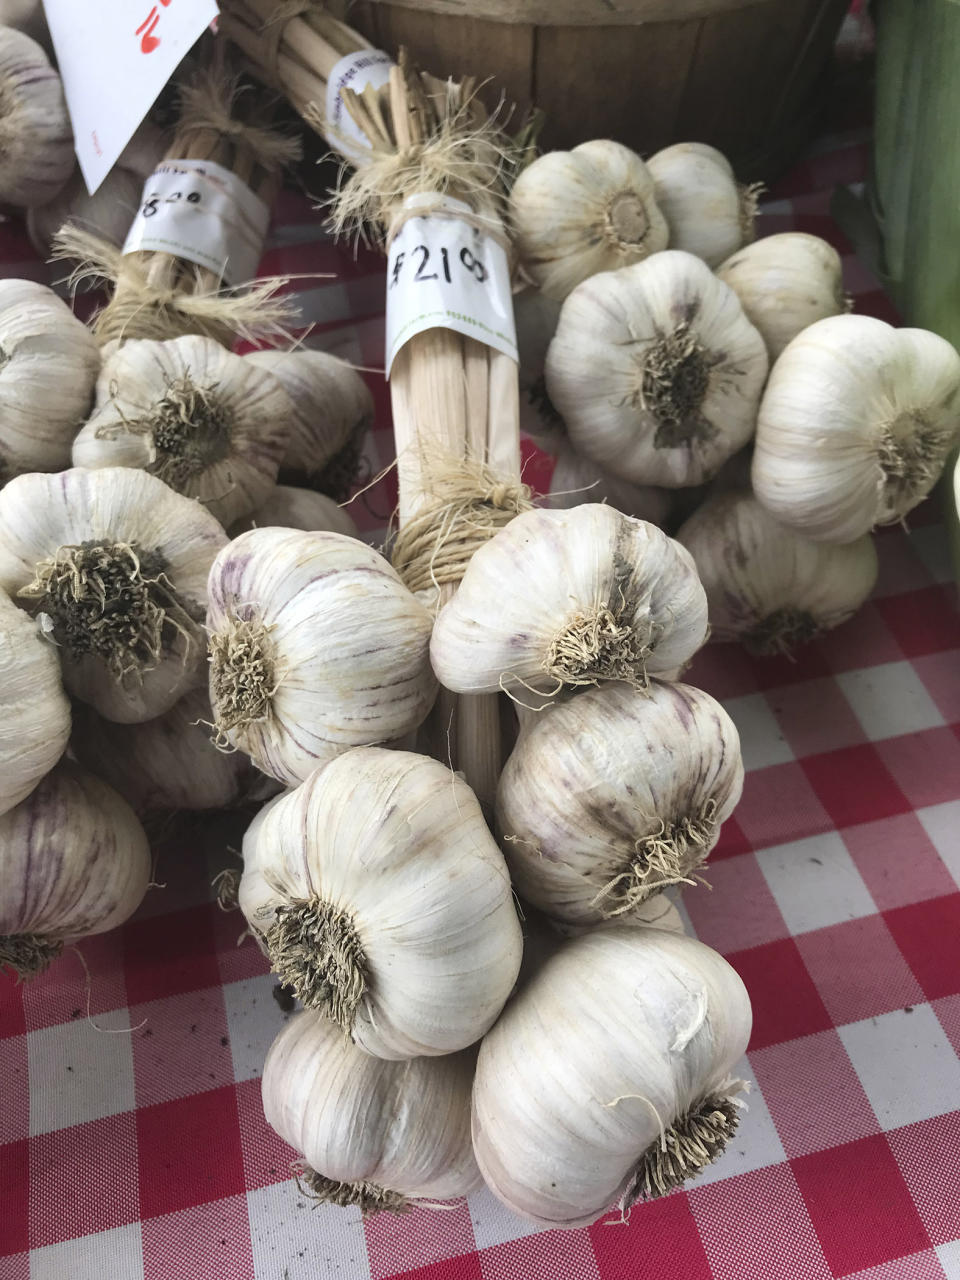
656	371
316	646
574	213
785	283
577	480
768	585
74	860
36	142
289	507
855	426
115	566
622	1034
616	794
48	367
208	423
385	903
35	725
564	598
374	1134
707	211
536	318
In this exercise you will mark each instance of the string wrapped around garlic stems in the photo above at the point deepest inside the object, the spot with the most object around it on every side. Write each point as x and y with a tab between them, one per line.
384	903
707	211
568	1123
767	585
288	507
74	860
114	564
611	796
375	1134
36	141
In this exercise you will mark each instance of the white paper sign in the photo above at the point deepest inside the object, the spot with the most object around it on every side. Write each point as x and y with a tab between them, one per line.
443	273
203	213
114	58
355	71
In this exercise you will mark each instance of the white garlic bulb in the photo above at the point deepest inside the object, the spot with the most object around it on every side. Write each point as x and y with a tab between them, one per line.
767	584
114	564
613	795
168	762
656	371
564	598
536	318
576	480
332	413
574	213
706	209
606	1079
316	646
292	508
855	426
374	1134
48	368
209	423
385	903
36	713
74	860
36	143
785	283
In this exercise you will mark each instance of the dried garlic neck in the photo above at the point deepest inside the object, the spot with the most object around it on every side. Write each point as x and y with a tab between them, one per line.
749	204
599	646
781	632
625	222
674	383
340	473
243	673
28	954
190	430
367	1196
669	856
315	950
539	398
910	451
693	1141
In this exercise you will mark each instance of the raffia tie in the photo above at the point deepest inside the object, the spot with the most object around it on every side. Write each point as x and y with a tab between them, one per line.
490	226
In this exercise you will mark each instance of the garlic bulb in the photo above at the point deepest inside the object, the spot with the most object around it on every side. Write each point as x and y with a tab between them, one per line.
574	213
785	283
332	413
291	508
576	480
385	904
27	16
114	564
36	143
613	795
74	860
855	426
536	318
316	646
656	371
768	585
36	713
566	598
374	1134
166	763
707	211
607	1078
210	424
48	367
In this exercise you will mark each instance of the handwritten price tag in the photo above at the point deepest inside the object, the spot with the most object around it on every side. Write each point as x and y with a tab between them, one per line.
114	58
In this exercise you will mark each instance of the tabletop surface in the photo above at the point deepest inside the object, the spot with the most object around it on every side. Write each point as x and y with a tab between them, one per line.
132	1141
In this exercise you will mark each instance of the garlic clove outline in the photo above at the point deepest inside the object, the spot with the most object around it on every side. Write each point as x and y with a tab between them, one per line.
576	480
289	507
707	211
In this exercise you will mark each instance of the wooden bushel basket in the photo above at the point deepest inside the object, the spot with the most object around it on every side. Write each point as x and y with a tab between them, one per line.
741	74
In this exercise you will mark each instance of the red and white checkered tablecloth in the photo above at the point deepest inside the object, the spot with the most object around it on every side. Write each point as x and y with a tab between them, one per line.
132	1142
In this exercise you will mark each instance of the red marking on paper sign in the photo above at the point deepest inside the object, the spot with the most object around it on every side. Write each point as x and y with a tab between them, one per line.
149	41
96	142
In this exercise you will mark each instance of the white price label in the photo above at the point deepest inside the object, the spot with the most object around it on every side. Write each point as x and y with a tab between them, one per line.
355	71
446	273
200	211
114	57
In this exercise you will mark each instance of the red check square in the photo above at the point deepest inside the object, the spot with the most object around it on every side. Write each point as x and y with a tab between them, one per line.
938	671
738	910
421	1238
732	841
807	663
854	785
786	1004
928	1154
66	1199
924	621
62	992
864	641
858	969
184	1047
215	1238
897	860
190	1152
464	1267
661	1234
12	1019
926	765
815	717
723	670
168	954
780	805
928	934
551	1253
14	1183
15	1106
266	1157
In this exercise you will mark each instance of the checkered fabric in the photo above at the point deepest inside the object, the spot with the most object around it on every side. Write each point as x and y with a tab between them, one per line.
132	1141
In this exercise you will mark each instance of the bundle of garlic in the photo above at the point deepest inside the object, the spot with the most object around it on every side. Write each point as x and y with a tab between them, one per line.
114	565
565	598
615	794
384	903
707	211
768	585
36	713
333	411
36	143
374	1134
292	508
855	426
74	860
656	371
576	480
574	213
210	424
785	283
315	646
48	367
607	1078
